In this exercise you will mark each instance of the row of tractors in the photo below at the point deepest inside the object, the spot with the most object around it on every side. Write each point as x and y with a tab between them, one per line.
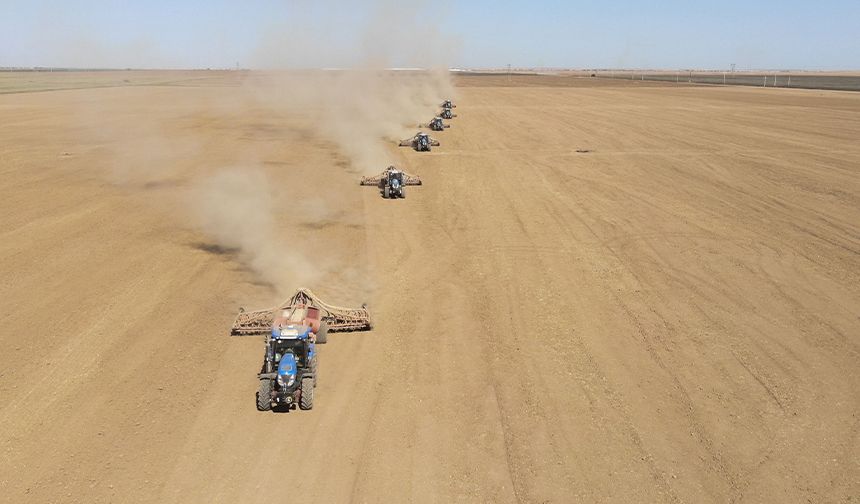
292	330
392	181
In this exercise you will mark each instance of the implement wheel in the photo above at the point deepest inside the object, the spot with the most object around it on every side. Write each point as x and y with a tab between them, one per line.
322	335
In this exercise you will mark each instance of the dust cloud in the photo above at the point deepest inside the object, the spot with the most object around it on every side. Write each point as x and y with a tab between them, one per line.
362	112
361	107
344	89
380	84
236	207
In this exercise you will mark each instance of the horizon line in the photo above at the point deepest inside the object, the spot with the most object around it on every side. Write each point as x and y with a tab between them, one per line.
524	69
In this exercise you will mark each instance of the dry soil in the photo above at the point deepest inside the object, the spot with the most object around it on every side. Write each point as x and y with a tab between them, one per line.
670	315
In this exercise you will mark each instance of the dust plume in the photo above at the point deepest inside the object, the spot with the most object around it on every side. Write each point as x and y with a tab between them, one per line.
236	207
361	108
362	103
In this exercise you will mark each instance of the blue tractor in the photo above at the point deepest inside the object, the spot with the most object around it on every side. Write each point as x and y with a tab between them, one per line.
292	330
289	372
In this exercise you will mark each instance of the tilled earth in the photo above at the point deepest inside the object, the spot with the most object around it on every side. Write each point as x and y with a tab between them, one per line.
604	292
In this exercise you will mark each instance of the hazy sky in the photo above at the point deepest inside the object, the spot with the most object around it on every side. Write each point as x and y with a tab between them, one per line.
480	33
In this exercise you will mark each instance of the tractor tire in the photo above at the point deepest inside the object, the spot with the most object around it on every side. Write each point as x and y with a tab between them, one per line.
402	192
322	335
264	396
386	192
307	400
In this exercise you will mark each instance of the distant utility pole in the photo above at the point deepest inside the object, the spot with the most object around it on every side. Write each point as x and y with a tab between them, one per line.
509	72
733	68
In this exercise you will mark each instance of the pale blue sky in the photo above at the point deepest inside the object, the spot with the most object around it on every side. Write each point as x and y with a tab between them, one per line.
480	33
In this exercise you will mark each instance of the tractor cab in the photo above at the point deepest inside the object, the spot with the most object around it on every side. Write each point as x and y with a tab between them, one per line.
446	113
292	337
423	141
447	104
395	178
298	348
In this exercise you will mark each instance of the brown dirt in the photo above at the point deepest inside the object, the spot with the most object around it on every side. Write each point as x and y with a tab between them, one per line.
671	317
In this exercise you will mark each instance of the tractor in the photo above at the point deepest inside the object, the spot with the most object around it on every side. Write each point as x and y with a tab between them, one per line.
420	142
448	104
446	113
292	329
391	182
289	372
437	125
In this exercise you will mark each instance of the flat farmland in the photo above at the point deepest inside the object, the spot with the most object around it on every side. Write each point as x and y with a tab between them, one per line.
605	291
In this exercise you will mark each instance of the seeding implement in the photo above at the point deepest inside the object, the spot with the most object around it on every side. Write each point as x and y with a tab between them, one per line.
337	319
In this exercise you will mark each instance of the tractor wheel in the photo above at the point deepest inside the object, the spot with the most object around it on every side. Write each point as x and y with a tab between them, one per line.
386	193
307	400
322	335
264	396
402	192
